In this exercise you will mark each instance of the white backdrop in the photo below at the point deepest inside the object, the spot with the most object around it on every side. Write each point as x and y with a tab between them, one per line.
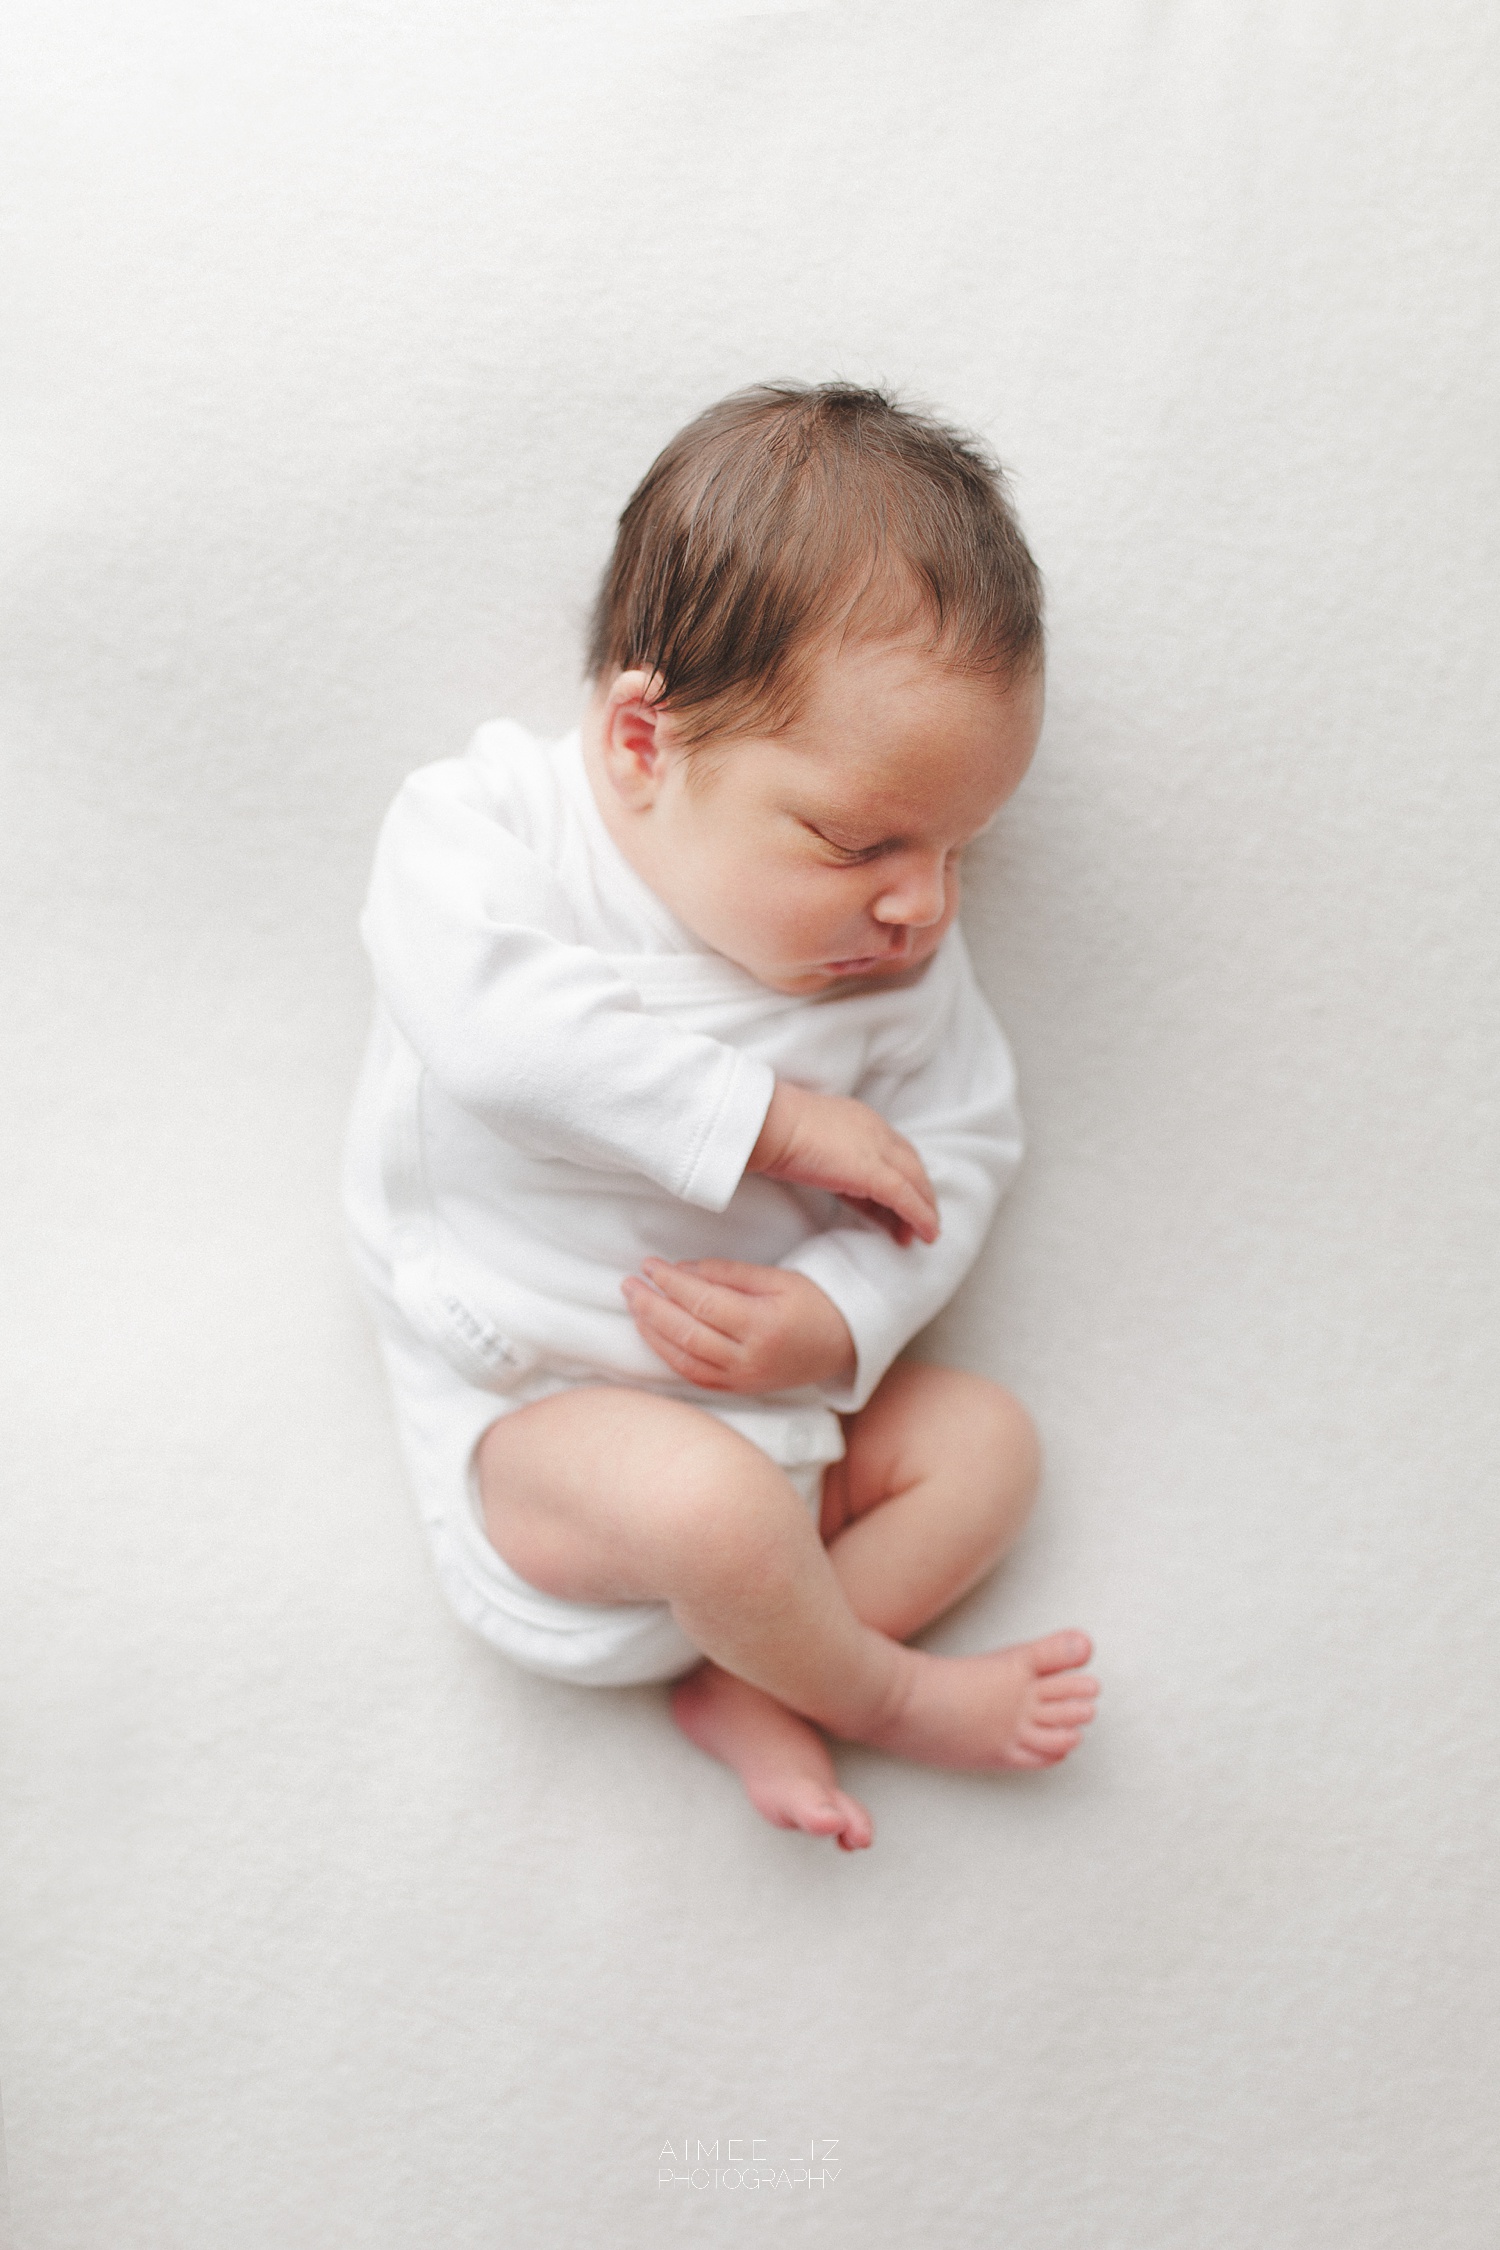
340	334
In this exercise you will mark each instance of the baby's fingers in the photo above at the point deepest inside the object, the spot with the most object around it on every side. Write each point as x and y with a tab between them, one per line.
700	1294
660	1321
912	1200
733	1273
671	1335
905	1161
695	1371
896	1228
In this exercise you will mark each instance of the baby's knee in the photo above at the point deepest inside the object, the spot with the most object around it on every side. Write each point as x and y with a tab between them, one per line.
988	1421
1009	1426
727	1509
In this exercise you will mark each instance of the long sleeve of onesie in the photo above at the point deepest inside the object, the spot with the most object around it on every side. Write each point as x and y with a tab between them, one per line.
958	1110
473	943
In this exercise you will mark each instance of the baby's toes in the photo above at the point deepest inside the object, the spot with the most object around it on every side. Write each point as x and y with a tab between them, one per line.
1066	1711
1030	1760
820	1811
814	1810
1048	1743
844	1819
858	1831
1059	1652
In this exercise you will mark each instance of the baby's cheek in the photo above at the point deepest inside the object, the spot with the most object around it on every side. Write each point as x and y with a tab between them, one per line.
803	925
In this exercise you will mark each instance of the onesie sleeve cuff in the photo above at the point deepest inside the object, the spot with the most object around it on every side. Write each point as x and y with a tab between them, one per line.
716	1165
879	1327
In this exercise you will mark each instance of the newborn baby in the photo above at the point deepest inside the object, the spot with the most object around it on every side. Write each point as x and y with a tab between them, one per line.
683	1112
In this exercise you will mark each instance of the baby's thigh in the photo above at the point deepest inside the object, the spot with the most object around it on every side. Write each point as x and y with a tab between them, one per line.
925	1423
597	1493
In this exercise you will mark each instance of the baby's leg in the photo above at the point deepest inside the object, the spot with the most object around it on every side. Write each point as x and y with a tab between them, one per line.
938	1479
613	1495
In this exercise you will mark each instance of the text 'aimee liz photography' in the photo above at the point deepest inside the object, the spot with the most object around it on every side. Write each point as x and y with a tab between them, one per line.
742	2161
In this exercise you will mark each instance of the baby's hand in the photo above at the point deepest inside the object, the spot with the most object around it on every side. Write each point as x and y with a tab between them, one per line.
828	1141
732	1327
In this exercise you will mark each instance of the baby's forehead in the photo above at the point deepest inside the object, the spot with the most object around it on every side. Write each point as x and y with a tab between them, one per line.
908	746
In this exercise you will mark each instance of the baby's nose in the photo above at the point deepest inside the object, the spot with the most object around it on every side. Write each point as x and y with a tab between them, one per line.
917	897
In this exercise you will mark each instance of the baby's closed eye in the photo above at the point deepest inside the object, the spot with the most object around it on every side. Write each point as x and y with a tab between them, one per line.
847	854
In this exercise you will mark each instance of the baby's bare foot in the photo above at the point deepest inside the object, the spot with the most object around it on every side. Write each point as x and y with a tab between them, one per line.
1022	1706
781	1759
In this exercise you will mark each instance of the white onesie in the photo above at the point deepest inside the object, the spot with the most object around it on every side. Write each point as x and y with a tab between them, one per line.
561	1080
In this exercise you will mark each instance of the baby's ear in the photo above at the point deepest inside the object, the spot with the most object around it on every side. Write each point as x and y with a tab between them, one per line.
634	742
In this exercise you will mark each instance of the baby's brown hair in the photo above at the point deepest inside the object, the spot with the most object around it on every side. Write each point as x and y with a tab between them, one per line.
794	514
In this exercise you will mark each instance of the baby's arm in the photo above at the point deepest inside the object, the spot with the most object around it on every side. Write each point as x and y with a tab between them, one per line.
473	943
844	1146
474	947
734	1327
958	1109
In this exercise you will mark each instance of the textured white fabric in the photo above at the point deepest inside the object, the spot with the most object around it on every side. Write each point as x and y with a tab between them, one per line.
562	1081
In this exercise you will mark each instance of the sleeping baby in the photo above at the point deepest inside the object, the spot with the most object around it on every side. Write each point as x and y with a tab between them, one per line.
683	1112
